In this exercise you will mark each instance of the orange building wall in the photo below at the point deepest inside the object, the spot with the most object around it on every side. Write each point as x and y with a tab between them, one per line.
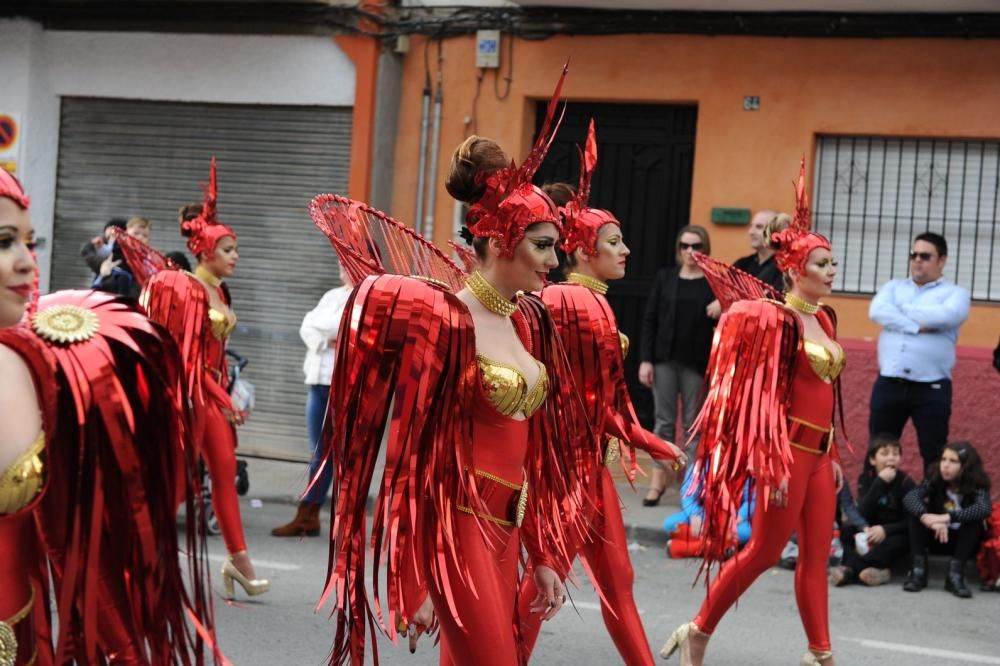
909	87
364	53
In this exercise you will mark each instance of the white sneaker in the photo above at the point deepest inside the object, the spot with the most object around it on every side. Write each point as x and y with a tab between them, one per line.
789	556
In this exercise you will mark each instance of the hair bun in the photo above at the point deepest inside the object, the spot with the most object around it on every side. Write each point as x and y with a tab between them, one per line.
560	193
187	213
774	227
472	160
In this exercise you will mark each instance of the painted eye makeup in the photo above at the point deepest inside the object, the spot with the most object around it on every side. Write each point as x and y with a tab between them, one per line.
543	243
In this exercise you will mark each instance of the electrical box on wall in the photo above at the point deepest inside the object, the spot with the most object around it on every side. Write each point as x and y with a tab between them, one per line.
488	48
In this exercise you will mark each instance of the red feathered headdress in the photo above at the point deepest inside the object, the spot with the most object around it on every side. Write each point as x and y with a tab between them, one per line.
511	203
11	188
798	240
205	231
580	223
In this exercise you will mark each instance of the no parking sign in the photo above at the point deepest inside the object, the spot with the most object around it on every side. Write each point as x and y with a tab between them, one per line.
10	131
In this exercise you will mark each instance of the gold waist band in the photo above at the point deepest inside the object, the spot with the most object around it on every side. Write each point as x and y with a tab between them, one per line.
510	500
8	634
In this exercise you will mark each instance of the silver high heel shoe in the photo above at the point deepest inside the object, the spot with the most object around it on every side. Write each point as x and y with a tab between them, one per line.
252	587
679	640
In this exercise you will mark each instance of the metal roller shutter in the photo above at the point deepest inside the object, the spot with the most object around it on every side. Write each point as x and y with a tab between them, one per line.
125	158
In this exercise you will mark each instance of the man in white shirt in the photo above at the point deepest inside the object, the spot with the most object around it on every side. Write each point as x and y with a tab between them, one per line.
920	317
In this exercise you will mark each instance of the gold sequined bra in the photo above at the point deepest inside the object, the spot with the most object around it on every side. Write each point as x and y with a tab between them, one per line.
221	325
23	479
507	389
822	360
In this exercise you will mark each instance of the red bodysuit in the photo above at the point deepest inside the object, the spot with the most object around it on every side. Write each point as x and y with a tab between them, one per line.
596	351
811	505
179	301
20	572
491	544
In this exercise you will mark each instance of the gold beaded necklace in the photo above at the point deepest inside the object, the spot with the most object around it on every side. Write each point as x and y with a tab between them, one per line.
586	281
487	294
206	276
803	306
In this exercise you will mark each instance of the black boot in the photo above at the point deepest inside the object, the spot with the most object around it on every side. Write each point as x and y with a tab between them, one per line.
955	582
916	580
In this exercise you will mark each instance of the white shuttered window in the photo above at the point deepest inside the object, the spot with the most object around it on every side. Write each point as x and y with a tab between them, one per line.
874	194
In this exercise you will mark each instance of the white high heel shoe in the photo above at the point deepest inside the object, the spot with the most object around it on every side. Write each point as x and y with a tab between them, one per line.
679	640
252	587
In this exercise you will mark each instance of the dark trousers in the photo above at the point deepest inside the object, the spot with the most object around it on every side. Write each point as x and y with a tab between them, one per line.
894	401
962	543
881	556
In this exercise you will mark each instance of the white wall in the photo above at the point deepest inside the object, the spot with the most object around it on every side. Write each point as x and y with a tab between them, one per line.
38	67
242	69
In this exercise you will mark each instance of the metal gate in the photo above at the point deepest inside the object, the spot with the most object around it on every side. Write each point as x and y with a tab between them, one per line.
120	158
645	160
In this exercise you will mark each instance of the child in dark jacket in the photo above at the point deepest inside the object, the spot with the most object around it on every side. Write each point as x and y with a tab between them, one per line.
882	487
946	516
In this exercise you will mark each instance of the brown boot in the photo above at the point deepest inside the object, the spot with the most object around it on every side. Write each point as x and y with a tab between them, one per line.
305	522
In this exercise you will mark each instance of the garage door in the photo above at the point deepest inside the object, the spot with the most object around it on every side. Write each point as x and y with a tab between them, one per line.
120	158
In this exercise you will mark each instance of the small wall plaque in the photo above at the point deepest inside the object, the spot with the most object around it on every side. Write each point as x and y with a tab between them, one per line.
731	215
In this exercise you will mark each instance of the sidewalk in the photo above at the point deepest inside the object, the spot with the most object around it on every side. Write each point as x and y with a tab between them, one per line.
281	482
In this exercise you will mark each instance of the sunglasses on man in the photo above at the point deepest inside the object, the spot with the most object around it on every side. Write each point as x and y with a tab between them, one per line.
922	256
697	247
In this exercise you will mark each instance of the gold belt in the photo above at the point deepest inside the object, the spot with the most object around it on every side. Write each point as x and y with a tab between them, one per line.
809	437
8	636
215	372
516	516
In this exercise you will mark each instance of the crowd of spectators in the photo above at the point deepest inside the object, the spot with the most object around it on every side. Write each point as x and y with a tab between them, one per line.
898	518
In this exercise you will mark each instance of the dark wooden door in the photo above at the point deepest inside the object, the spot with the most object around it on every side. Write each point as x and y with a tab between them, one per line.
645	158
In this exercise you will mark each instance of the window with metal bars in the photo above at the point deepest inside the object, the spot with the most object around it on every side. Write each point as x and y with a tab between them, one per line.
872	195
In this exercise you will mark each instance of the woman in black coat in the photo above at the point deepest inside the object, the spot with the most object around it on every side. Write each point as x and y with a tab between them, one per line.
676	341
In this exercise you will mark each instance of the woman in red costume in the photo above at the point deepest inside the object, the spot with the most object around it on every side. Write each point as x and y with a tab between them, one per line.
486	428
196	309
596	253
87	474
768	414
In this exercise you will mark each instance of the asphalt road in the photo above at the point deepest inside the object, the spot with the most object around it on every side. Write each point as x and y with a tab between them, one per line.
869	626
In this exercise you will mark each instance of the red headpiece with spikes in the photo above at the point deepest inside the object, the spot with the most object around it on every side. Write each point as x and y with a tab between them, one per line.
205	231
11	188
511	203
798	240
580	223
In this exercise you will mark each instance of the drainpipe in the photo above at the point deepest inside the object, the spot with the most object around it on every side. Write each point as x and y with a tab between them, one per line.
428	226
422	158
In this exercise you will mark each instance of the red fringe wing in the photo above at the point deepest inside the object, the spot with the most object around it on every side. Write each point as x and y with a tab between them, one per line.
412	345
107	518
742	423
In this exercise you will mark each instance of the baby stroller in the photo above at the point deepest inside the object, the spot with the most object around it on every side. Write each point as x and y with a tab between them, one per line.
236	365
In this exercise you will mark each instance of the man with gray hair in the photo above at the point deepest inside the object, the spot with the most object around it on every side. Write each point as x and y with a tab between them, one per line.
761	264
